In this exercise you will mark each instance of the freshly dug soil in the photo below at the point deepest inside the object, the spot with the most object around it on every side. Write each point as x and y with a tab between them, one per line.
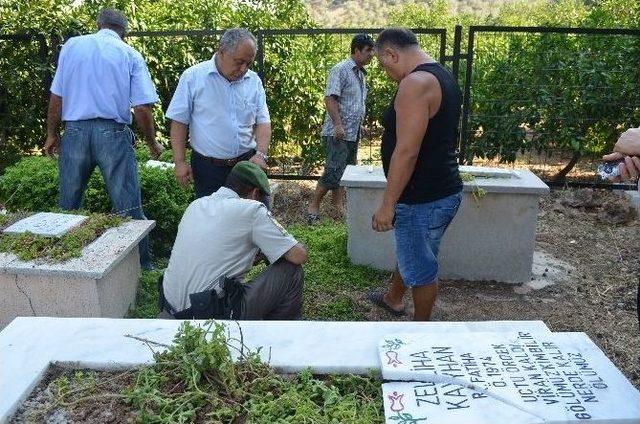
595	234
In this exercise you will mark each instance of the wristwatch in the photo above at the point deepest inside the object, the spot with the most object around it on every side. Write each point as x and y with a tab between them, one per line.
262	155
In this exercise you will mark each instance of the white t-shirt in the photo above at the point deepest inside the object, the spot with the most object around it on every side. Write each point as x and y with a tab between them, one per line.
220	235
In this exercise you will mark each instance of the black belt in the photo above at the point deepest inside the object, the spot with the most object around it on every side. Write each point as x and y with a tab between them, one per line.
227	162
206	305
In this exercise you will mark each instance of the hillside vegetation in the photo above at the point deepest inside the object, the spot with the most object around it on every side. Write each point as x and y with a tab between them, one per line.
368	13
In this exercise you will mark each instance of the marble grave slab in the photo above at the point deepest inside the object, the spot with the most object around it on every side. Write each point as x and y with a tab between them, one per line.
503	378
47	224
29	344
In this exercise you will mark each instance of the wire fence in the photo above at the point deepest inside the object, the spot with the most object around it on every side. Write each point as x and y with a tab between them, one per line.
546	98
532	96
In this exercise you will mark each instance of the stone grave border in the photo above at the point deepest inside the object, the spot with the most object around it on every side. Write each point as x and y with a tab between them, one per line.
30	344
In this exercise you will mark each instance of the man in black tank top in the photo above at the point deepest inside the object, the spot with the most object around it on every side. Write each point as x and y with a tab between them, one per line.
423	190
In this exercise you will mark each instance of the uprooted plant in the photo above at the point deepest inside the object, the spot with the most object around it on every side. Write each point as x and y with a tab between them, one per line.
196	380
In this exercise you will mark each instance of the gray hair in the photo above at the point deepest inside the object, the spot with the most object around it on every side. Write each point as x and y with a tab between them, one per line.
232	37
112	17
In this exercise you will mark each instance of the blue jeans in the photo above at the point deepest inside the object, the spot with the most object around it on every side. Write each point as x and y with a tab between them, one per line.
418	232
109	145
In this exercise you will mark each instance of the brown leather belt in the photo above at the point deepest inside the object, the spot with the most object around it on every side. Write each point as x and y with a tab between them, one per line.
227	162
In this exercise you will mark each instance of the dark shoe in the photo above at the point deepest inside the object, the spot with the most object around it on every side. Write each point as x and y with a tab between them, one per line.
377	298
313	218
147	266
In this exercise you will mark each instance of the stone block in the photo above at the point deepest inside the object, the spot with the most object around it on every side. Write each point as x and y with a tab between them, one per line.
491	238
47	224
100	283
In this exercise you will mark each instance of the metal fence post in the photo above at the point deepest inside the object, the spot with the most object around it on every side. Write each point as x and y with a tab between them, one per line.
455	58
260	55
466	102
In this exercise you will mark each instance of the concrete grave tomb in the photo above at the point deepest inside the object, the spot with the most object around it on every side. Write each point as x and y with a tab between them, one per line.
30	344
102	282
491	238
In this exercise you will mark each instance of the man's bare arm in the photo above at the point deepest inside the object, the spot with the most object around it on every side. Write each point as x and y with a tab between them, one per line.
333	108
263	137
297	255
143	115
412	107
179	132
54	116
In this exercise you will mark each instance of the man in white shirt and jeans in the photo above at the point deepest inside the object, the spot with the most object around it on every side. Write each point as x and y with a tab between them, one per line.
217	242
99	79
220	107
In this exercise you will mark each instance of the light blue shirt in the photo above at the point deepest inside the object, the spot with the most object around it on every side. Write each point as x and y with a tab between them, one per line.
221	114
101	76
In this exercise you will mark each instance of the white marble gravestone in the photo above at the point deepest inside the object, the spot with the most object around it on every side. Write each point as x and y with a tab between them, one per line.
30	344
503	378
47	224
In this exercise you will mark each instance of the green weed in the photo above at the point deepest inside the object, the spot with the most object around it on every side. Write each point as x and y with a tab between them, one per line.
330	278
29	246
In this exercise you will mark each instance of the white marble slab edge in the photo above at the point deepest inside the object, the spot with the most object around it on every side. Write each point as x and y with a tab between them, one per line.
94	264
29	344
523	182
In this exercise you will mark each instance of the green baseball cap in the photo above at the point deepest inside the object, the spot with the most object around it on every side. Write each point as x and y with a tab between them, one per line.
252	174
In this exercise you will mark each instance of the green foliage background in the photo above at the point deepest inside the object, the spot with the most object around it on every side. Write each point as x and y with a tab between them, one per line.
32	185
529	91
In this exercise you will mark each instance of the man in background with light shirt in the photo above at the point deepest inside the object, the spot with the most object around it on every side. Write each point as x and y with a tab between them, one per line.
220	106
345	98
98	80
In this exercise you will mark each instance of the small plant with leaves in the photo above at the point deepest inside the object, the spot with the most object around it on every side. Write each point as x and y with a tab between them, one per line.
478	192
197	380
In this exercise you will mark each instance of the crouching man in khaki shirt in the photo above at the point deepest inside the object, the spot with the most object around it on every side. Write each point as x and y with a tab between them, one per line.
217	242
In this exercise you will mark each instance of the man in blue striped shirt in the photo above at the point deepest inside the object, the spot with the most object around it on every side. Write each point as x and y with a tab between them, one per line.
98	80
345	98
220	106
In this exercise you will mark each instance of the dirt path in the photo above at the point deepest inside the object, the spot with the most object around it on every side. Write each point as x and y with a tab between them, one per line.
591	246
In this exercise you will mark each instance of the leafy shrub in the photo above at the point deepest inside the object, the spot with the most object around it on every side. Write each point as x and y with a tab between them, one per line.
32	184
529	91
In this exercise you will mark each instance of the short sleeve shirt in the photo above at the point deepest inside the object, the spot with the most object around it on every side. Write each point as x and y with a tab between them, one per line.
221	114
346	81
100	76
219	235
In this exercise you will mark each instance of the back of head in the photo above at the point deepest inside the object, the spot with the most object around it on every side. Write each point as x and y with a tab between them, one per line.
360	41
113	19
234	36
247	176
400	38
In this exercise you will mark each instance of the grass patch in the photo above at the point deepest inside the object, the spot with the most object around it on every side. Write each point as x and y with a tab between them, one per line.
331	280
195	380
29	246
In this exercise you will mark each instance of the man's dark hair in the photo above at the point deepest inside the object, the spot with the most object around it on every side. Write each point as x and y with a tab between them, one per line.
239	185
113	19
398	37
360	41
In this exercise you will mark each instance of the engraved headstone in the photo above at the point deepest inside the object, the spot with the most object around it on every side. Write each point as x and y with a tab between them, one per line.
47	224
503	378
